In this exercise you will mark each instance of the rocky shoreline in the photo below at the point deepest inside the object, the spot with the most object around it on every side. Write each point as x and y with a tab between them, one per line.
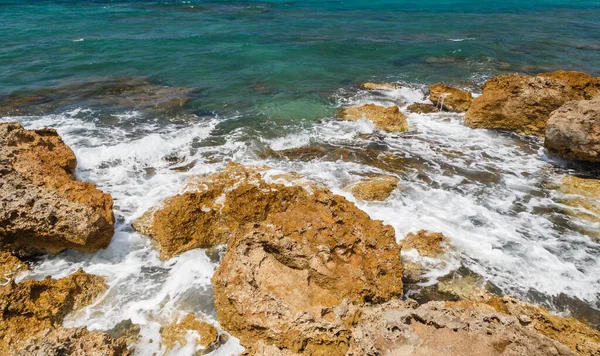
305	271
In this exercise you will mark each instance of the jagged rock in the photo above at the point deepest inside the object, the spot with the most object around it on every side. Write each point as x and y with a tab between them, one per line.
175	335
429	244
374	189
379	86
296	279
422	108
388	119
524	103
42	208
583	196
573	131
449	98
10	266
32	312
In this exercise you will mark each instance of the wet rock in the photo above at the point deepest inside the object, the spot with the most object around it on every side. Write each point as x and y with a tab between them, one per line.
429	244
10	266
583	195
524	103
438	328
449	98
374	189
379	86
43	209
176	334
127	93
296	280
32	312
304	153
573	131
422	108
388	119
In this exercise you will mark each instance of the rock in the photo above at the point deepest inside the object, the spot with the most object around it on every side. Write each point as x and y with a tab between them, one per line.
10	266
32	312
296	280
449	98
584	196
388	119
42	208
585	86
213	208
176	334
422	108
374	189
429	244
573	131
439	328
380	86
524	103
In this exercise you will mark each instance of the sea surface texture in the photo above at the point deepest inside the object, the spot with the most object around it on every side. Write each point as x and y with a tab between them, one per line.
208	82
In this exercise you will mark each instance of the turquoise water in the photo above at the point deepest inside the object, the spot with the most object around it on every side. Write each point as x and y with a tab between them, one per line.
301	51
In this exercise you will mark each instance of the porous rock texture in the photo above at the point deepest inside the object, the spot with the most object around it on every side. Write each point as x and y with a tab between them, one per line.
524	103
175	334
374	189
31	314
389	119
43	209
422	108
429	244
573	131
379	86
450	99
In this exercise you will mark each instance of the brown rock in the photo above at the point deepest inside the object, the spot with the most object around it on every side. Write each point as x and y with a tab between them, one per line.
449	98
174	334
31	314
10	266
585	86
429	244
573	131
374	189
379	86
422	108
42	208
583	195
296	280
388	119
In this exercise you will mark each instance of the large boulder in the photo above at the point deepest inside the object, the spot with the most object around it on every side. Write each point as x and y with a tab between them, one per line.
295	280
32	312
524	103
573	131
449	98
388	119
43	209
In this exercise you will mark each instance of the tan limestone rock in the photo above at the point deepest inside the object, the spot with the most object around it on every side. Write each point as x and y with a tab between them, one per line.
10	266
388	119
379	86
374	189
449	98
175	334
422	108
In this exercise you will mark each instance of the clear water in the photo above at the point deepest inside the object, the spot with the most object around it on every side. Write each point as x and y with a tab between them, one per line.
270	75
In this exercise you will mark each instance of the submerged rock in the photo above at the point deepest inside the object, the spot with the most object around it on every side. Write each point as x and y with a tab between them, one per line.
524	103
126	93
583	195
296	279
573	131
449	98
429	244
422	108
374	189
379	86
177	334
43	209
388	119
32	312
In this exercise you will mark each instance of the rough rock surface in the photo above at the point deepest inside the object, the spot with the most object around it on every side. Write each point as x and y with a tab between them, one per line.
296	279
42	207
10	266
450	99
585	86
388	119
31	314
379	86
573	131
374	189
175	334
429	244
422	108
583	195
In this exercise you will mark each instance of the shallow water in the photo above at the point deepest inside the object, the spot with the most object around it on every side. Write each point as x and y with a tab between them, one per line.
269	75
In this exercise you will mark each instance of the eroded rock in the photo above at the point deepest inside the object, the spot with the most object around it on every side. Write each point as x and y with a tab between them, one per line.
42	208
388	119
583	196
449	98
176	334
32	312
573	131
374	189
379	86
10	266
422	108
429	244
585	86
